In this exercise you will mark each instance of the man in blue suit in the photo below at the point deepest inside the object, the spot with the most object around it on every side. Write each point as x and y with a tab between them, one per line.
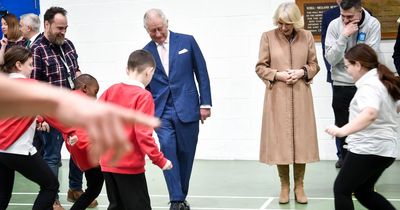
179	104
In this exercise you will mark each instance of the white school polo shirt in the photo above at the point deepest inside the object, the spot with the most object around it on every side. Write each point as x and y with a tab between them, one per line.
380	137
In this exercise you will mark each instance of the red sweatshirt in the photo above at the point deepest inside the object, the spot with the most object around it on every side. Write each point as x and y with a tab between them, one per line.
139	99
78	151
13	128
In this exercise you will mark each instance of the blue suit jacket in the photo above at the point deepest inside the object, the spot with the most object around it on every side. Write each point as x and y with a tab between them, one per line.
186	63
327	17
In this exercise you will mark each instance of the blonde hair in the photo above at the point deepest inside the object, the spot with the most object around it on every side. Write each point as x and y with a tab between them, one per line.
289	13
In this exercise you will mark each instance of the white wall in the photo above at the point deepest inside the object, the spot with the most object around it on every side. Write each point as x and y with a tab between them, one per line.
228	32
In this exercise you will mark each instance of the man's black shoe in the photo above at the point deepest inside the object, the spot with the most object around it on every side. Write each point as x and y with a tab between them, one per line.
339	163
187	206
177	205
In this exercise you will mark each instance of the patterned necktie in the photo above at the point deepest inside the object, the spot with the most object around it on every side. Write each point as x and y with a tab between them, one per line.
28	44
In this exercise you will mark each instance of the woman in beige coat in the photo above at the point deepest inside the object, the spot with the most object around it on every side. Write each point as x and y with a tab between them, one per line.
287	63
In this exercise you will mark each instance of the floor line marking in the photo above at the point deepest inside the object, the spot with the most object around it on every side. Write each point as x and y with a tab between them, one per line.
208	208
154	207
214	196
266	204
190	196
220	196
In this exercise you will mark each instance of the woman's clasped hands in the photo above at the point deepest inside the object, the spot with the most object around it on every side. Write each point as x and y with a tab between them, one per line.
289	76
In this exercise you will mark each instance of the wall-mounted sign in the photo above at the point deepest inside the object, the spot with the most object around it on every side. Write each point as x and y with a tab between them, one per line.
386	11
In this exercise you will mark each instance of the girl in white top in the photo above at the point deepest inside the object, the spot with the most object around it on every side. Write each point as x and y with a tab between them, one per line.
372	130
17	152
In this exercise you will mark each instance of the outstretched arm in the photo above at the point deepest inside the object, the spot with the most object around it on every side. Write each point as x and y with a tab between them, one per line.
104	122
363	120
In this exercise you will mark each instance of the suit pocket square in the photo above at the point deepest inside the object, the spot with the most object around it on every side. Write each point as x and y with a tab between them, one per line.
182	51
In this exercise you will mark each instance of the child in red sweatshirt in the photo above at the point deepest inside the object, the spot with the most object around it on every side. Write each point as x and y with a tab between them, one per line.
125	180
16	135
78	144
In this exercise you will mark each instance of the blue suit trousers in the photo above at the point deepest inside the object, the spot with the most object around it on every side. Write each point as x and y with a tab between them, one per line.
178	141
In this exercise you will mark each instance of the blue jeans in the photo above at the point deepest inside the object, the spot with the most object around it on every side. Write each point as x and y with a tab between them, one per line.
52	145
74	176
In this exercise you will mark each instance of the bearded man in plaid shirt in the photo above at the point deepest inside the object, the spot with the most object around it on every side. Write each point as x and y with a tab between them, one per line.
55	62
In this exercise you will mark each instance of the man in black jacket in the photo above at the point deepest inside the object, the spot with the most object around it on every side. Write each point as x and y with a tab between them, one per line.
396	53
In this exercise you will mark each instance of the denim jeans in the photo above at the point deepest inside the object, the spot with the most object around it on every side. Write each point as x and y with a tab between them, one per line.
52	145
53	142
74	176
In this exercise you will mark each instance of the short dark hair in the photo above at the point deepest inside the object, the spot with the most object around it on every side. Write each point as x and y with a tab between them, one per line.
84	79
348	4
139	60
52	11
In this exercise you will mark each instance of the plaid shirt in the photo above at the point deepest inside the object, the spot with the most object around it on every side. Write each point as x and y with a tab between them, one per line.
47	63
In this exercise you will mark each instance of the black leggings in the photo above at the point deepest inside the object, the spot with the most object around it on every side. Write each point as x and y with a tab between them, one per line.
94	180
359	174
34	168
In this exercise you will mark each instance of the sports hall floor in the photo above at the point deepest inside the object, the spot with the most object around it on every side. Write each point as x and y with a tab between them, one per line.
229	185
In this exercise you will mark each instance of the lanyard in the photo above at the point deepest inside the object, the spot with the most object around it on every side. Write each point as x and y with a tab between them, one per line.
69	78
63	60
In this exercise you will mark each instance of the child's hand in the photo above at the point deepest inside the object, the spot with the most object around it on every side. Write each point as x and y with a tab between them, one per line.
167	166
334	131
72	140
44	126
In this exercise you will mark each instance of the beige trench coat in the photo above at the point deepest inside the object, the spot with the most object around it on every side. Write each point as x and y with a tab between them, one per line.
288	133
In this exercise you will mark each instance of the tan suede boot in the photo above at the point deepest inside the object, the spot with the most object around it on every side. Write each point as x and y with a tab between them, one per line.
285	184
299	195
